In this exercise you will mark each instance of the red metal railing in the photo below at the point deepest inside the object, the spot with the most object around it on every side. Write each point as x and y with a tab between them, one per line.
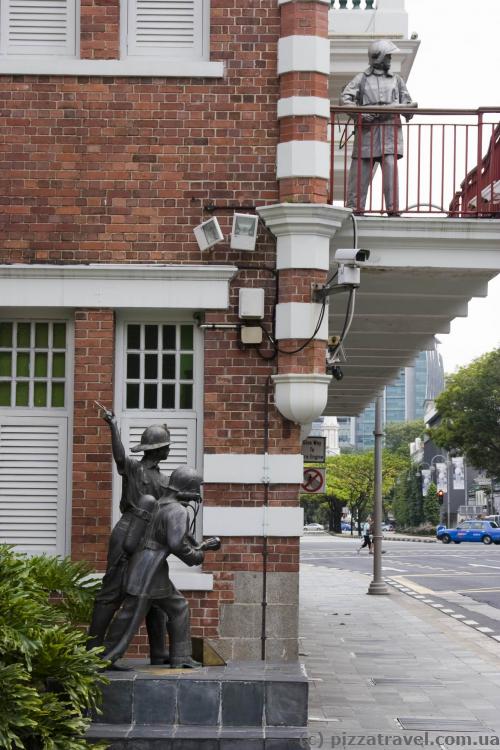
450	164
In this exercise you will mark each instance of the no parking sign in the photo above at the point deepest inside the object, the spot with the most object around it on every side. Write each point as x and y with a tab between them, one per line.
314	481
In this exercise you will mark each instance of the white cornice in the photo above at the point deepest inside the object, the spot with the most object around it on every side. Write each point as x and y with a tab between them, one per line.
303	218
129	67
116	286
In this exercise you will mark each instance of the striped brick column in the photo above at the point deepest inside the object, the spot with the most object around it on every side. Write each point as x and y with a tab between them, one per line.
302	222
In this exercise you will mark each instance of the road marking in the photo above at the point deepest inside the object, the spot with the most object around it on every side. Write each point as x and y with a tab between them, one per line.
479	565
496	637
459	617
398	570
412	585
460	591
485	630
470	622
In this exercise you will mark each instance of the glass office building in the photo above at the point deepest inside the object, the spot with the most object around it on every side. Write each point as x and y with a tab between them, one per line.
404	400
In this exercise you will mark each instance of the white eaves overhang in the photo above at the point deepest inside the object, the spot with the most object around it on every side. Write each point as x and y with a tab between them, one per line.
116	285
420	275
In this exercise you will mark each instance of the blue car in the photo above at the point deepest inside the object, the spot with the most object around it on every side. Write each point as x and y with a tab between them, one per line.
486	532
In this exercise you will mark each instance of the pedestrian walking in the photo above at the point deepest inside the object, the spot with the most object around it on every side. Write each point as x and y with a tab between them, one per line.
367	535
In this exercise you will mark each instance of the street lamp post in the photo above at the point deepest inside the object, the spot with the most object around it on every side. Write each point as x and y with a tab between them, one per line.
377	585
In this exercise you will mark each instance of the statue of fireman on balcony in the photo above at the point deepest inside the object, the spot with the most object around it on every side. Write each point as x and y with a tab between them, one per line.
381	139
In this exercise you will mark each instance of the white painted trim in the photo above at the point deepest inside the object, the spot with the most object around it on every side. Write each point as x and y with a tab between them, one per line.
303	53
117	286
248	468
303	251
298	320
285	219
419	242
260	521
187	580
294	106
184	579
131	66
303	159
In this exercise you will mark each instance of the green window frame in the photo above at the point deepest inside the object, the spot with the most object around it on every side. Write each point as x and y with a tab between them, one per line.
159	366
33	364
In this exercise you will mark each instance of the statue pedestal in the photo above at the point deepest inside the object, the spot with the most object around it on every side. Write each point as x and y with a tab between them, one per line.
241	705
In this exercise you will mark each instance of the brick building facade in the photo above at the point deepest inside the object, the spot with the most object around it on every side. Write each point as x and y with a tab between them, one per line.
123	128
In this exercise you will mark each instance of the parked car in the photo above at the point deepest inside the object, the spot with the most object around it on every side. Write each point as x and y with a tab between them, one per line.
486	532
314	527
388	527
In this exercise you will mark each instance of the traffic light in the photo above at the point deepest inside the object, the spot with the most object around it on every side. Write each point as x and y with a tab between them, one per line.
440	496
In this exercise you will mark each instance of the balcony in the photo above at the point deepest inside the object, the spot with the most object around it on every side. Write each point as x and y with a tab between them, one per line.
425	263
450	167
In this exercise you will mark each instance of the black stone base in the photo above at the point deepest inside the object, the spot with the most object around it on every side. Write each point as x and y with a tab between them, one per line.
242	706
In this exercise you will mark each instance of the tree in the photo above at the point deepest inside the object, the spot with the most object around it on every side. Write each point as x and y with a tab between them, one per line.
350	479
399	435
470	413
407	503
432	508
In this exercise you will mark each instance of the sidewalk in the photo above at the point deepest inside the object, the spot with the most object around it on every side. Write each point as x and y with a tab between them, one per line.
391	670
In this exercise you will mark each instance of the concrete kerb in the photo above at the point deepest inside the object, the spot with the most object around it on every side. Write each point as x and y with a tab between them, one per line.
391	538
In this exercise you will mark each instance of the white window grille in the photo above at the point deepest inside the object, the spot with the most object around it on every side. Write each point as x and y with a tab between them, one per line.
159	368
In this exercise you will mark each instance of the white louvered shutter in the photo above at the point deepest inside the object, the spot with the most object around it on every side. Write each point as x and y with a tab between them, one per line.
33	483
166	28
38	27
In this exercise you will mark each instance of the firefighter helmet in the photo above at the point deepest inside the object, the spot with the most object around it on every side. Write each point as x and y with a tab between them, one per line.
379	49
154	436
186	482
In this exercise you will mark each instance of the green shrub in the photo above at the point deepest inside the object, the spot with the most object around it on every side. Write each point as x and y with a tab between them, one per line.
50	682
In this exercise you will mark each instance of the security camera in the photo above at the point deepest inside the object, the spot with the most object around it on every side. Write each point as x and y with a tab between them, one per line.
335	371
351	255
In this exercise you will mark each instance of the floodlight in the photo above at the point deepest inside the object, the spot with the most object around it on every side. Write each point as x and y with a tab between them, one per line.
208	233
244	232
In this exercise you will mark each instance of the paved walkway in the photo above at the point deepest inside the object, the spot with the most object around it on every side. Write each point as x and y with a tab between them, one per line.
390	670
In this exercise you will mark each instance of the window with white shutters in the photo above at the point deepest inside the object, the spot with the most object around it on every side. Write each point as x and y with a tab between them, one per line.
38	27
35	402
33	483
168	28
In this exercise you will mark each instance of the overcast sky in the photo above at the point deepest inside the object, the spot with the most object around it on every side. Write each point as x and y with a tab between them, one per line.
457	66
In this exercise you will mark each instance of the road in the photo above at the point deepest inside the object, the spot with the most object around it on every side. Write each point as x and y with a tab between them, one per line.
462	581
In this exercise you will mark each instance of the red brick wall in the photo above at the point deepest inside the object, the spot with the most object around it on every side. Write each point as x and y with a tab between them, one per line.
117	170
91	513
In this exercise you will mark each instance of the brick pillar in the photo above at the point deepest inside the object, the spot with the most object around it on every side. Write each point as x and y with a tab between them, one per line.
302	222
100	29
92	461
